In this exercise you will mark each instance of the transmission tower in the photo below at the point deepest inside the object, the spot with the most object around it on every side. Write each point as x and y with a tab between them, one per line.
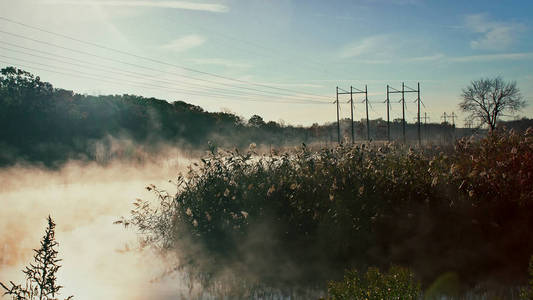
338	123
453	116
444	117
426	118
351	93
418	100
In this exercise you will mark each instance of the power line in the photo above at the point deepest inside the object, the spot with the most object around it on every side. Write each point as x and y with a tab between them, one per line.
144	85
77	74
140	66
151	59
217	34
134	74
266	51
119	61
111	79
91	64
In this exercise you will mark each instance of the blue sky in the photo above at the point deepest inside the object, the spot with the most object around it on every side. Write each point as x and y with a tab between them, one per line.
303	49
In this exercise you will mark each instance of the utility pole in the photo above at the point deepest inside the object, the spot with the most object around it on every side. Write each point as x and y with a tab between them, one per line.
468	124
444	116
453	115
367	120
338	123
388	117
351	92
403	112
351	109
418	100
403	91
426	118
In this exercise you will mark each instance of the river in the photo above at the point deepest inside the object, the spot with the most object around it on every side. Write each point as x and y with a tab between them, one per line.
100	260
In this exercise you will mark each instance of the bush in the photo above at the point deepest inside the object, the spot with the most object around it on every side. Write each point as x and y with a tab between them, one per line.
41	281
398	283
296	218
497	168
495	177
527	292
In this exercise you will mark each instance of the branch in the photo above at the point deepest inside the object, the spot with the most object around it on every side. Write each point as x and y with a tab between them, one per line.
5	287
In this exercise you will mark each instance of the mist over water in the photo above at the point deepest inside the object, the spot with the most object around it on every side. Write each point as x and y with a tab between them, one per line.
100	260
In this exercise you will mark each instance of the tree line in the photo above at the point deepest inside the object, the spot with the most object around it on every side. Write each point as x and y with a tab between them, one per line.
43	124
40	123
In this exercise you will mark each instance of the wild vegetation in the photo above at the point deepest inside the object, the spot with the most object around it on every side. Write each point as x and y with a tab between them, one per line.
300	217
527	292
41	280
398	283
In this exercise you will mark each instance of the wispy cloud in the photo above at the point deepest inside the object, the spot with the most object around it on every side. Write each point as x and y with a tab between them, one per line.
220	62
185	43
492	35
210	7
370	45
396	2
345	17
439	57
293	85
428	58
493	57
472	58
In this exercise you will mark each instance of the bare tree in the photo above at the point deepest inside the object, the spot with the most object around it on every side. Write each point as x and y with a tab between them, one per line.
488	99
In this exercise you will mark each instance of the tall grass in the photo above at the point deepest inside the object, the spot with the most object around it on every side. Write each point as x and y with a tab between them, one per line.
300	217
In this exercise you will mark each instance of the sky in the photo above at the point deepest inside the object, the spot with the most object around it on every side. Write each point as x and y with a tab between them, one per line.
280	59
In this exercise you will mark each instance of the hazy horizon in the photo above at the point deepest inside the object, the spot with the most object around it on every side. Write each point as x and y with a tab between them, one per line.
304	51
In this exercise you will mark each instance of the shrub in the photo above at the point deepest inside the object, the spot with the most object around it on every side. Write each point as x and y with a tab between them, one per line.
498	168
495	177
293	217
298	217
527	292
398	283
41	280
446	285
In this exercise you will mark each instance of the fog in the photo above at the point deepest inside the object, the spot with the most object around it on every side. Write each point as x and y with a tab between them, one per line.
100	260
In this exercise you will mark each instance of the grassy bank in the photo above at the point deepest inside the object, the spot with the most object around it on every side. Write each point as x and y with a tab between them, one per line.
299	218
